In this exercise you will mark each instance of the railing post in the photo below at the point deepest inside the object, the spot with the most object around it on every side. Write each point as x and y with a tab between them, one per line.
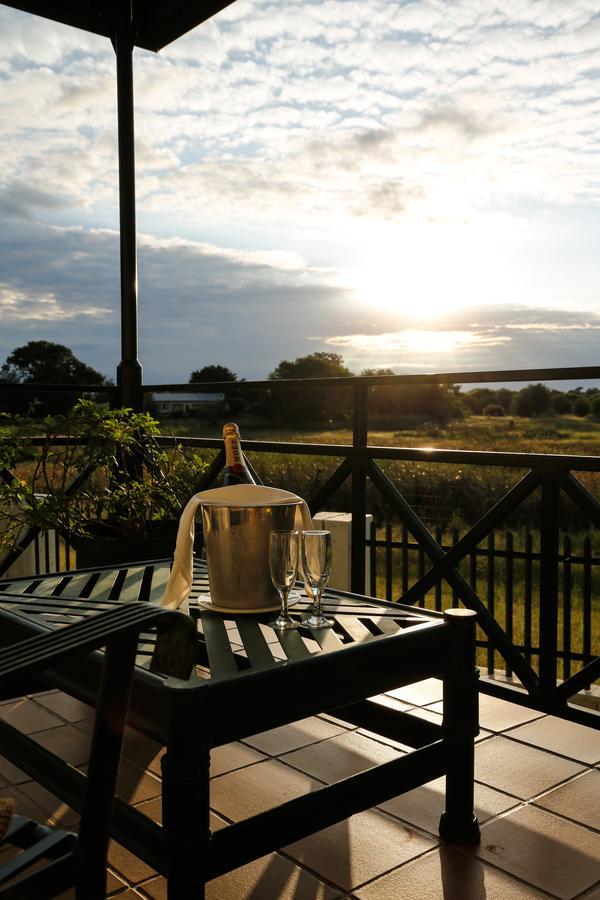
359	488
548	586
186	795
129	370
461	726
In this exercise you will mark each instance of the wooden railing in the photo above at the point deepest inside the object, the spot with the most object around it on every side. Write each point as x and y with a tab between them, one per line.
539	668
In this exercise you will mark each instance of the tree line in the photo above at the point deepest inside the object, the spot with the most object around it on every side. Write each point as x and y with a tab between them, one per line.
438	402
44	362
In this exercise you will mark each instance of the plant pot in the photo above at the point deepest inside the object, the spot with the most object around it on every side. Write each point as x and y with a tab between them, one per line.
103	549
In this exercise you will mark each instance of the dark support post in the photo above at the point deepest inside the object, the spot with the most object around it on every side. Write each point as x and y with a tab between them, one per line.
461	726
549	586
186	798
119	661
129	370
359	489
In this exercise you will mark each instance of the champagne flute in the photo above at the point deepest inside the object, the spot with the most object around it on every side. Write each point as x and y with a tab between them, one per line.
316	562
283	563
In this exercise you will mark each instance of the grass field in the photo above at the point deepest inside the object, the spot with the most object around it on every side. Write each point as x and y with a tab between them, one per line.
443	494
556	434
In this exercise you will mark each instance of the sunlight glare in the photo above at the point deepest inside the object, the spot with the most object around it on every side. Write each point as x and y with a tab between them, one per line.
425	271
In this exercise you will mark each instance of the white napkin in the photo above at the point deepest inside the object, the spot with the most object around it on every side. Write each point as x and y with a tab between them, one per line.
179	584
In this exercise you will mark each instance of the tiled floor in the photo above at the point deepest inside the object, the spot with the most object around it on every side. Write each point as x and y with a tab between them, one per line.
537	797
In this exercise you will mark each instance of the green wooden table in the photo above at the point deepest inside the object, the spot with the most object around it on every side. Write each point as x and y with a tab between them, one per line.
249	679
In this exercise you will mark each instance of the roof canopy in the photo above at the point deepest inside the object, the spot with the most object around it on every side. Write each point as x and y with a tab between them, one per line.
156	22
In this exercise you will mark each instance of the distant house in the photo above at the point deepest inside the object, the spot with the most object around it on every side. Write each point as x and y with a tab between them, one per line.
190	404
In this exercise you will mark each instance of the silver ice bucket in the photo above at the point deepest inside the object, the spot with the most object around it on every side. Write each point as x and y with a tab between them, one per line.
237	522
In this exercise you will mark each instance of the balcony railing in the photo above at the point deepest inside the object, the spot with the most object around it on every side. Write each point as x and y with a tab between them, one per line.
545	669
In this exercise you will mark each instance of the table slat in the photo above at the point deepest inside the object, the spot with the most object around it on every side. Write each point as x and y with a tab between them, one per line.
255	645
355	628
293	645
104	586
76	585
326	638
220	654
130	591
160	577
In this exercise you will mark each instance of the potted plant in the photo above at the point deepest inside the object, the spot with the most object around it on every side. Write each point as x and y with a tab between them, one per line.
98	476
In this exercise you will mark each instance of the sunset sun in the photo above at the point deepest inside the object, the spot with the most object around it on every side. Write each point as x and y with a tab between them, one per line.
427	271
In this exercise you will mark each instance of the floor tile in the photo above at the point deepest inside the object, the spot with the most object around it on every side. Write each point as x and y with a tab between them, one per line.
113	889
135	785
448	874
423	806
27	716
358	849
232	756
421	693
66	707
519	769
544	850
291	737
498	715
578	799
67	742
152	809
559	736
428	713
24	805
114	885
132	869
55	810
147	756
243	793
341	756
269	878
10	773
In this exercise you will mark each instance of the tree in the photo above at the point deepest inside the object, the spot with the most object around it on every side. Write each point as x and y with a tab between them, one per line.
596	406
212	373
478	398
504	398
315	365
532	400
494	410
581	407
44	362
561	403
310	404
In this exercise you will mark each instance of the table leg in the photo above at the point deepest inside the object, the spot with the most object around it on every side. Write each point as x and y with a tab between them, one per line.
461	726
186	801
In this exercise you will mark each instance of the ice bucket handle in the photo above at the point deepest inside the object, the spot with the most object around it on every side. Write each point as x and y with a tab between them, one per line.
179	584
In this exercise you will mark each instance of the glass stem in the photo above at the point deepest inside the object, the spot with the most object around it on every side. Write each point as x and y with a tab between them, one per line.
284	602
318	596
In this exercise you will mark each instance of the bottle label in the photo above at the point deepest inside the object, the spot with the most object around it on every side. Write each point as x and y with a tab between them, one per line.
233	452
236	470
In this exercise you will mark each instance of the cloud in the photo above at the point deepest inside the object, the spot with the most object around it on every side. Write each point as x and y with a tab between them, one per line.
26	201
318	110
499	337
282	143
442	341
198	303
17	306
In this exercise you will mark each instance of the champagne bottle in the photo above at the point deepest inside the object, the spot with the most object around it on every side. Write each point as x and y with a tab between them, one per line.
236	470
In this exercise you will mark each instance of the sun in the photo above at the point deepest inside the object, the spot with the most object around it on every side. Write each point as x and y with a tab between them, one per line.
427	271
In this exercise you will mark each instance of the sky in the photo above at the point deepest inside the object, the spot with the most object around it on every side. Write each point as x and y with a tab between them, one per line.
413	185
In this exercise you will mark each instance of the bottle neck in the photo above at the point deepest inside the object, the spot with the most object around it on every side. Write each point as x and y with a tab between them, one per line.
233	452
